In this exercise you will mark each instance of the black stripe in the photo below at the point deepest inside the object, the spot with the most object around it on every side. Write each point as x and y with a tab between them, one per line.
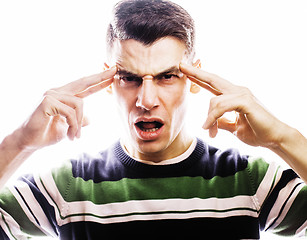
114	165
46	207
237	227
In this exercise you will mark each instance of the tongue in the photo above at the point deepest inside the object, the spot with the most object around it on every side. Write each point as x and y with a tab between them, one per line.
149	125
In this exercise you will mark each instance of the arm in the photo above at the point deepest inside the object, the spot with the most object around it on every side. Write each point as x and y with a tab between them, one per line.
59	114
254	124
292	148
12	155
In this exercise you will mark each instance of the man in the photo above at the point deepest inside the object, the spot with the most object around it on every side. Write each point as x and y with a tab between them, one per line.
158	179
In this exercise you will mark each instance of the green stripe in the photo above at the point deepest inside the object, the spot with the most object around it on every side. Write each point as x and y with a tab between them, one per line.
257	168
10	204
76	189
144	213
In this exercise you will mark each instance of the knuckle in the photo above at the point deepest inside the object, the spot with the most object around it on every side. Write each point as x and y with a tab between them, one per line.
47	98
245	91
220	105
215	102
248	95
54	111
70	112
78	104
52	91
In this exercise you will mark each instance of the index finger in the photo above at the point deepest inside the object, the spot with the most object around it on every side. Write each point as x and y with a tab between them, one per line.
209	81
88	85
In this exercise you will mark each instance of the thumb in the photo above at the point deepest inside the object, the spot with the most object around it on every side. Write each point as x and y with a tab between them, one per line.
85	122
226	124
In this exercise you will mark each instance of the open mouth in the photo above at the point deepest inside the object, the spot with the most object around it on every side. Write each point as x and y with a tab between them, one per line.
149	129
149	126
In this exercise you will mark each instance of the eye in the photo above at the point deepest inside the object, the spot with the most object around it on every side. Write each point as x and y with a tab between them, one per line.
169	77
130	81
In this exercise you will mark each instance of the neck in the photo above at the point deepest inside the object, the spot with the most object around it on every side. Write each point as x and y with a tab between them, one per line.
177	147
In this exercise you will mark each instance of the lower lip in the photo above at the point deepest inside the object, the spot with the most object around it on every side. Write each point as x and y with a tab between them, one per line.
148	136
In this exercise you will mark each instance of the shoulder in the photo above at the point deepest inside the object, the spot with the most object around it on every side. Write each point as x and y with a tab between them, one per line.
103	166
223	163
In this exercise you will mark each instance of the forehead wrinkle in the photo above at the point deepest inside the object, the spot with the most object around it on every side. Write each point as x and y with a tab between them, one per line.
173	69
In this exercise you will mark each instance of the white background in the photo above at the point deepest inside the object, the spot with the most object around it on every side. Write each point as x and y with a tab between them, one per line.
43	44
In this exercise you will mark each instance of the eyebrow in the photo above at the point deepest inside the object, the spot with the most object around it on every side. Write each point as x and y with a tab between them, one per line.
173	69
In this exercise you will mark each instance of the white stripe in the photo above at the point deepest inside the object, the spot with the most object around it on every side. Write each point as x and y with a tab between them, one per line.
288	204
163	216
266	183
14	232
189	207
38	212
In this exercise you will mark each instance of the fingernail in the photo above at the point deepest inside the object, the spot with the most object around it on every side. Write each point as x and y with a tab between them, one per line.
205	126
213	133
78	135
70	137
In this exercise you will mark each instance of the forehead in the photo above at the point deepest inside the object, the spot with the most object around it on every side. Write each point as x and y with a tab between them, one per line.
134	57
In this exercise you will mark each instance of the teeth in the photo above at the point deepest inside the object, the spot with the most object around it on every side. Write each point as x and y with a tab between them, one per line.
150	130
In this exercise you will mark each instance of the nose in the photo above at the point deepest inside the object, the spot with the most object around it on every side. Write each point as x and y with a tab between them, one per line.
147	98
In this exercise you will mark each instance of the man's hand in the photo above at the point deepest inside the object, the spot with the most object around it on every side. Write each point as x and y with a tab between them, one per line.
254	124
61	112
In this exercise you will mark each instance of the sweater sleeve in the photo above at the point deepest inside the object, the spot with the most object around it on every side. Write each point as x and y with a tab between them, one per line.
25	211
282	199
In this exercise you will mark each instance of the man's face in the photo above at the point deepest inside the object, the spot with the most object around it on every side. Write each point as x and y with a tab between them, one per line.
151	93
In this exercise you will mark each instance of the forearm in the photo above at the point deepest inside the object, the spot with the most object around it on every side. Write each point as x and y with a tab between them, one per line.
12	155
293	150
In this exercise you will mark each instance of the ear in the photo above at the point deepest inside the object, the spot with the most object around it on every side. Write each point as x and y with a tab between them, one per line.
109	88
194	87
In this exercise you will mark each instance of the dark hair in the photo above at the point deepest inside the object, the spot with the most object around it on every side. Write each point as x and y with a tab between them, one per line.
149	20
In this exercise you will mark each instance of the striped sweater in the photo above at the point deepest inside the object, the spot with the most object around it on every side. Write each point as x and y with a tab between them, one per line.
212	192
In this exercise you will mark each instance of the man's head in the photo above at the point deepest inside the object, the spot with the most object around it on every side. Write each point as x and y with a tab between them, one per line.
148	39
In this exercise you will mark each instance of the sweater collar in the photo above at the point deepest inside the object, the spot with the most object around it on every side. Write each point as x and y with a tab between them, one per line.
146	169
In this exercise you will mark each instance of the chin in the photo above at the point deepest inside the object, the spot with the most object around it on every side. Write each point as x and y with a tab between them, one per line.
151	147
